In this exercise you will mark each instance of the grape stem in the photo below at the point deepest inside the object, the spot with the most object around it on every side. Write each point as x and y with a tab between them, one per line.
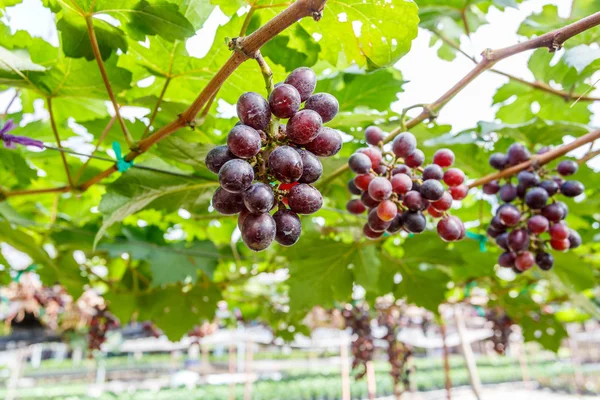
247	45
552	40
266	72
539	160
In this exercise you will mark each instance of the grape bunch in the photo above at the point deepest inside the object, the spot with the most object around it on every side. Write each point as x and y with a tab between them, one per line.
267	165
357	318
102	321
530	209
397	192
502	327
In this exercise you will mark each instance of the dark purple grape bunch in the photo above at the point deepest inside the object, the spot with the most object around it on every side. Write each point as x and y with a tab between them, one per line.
267	165
530	209
357	318
398	193
101	322
502	325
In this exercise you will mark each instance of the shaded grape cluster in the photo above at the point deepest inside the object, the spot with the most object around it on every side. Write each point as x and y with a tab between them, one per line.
398	354
531	221
502	327
102	321
267	164
397	192
357	318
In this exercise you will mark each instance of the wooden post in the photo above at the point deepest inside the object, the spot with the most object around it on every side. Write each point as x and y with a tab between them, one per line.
232	366
15	374
248	370
345	361
446	359
579	377
522	354
205	359
467	352
371	384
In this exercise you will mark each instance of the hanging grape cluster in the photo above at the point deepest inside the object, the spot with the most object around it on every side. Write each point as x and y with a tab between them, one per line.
102	321
502	327
357	318
266	164
398	353
398	192
530	209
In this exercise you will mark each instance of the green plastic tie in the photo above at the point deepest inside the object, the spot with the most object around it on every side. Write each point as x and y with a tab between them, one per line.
122	165
482	239
30	268
469	287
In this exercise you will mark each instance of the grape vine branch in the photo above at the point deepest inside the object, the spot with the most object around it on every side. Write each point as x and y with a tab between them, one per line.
552	40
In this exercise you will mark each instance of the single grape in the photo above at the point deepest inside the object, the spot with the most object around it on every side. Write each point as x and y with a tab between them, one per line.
544	150
491	187
360	163
565	209
373	153
506	260
538	224
517	153
304	80
327	143
404	144
414	221
258	231
553	212
544	260
559	231
402	169
312	169
217	157
509	216
374	135
433	212
253	110
444	203
244	141
508	192
433	171
381	170
524	261
518	240
416	159
285	164
259	198
559	181
454	177
551	187
305	199
492	232
325	104
414	201
502	241
572	188
432	190
284	101
380	189
304	126
362	181
368	200
521	191
497	225
242	217
574	239
459	192
560	244
227	203
288	227
449	228
355	206
352	187
498	161
528	179
444	158
370	233
567	167
396	224
236	176
401	183
376	223
387	210
536	198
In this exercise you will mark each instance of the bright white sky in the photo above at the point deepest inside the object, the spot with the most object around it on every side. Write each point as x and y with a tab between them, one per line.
428	76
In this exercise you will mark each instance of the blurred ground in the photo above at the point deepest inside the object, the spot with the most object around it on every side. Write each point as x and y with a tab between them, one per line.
498	392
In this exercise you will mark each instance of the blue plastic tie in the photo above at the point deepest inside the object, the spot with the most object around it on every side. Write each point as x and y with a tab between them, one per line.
122	165
482	239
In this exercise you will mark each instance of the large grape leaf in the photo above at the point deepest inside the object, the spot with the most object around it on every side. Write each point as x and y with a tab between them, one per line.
370	33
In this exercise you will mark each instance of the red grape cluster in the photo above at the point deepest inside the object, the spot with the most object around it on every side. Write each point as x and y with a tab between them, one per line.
398	353
102	321
265	164
357	318
530	209
398	192
502	327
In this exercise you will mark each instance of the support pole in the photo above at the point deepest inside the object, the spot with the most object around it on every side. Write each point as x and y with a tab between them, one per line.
371	384
467	352
345	361
248	370
446	359
577	371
